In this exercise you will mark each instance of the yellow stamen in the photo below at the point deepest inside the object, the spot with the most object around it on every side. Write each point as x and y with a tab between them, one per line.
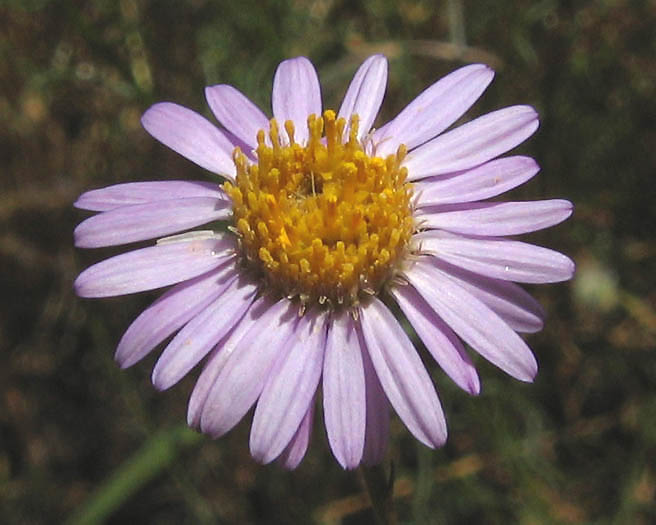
324	221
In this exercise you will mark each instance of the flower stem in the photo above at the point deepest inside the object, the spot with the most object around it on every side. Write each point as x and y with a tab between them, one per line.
381	491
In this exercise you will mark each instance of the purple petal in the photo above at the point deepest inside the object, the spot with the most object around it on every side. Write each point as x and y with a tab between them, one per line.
167	314
402	374
241	379
496	218
378	412
197	338
217	359
344	397
473	143
473	321
105	199
488	180
153	267
439	339
139	222
499	258
191	135
296	95
295	451
236	113
509	301
289	388
435	109
365	94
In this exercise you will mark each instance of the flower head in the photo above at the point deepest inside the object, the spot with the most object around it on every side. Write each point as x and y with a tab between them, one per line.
329	222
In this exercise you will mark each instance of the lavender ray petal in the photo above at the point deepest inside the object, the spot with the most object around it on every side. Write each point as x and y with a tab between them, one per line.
499	258
293	454
496	218
514	305
296	95
439	339
435	109
402	374
473	321
289	389
126	194
191	135
167	314
236	113
344	392
153	267
483	182
378	411
218	357
365	94
241	379
139	222
197	338
472	143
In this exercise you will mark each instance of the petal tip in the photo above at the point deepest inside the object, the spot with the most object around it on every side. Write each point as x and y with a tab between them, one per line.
532	165
439	438
261	454
122	357
193	421
290	461
527	113
539	324
486	71
474	385
80	202
80	286
83	237
348	461
528	375
209	428
213	90
301	59
568	206
77	238
571	269
159	380
150	113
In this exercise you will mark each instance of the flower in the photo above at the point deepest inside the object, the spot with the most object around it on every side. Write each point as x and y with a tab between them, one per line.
330	222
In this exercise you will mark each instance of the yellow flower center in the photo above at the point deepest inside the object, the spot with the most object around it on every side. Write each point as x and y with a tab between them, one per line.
323	221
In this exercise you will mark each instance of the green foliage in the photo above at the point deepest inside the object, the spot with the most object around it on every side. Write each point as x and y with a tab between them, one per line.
81	440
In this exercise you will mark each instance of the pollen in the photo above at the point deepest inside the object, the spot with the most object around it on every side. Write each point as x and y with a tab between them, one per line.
324	221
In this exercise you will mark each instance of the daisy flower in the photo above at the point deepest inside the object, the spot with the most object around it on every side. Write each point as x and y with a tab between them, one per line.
329	223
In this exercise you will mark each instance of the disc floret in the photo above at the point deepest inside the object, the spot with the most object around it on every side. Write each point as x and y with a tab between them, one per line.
324	221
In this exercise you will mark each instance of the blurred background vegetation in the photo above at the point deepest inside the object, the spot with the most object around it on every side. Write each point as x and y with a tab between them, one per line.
82	441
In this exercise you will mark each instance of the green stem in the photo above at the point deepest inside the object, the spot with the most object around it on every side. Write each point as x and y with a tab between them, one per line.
154	457
381	491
